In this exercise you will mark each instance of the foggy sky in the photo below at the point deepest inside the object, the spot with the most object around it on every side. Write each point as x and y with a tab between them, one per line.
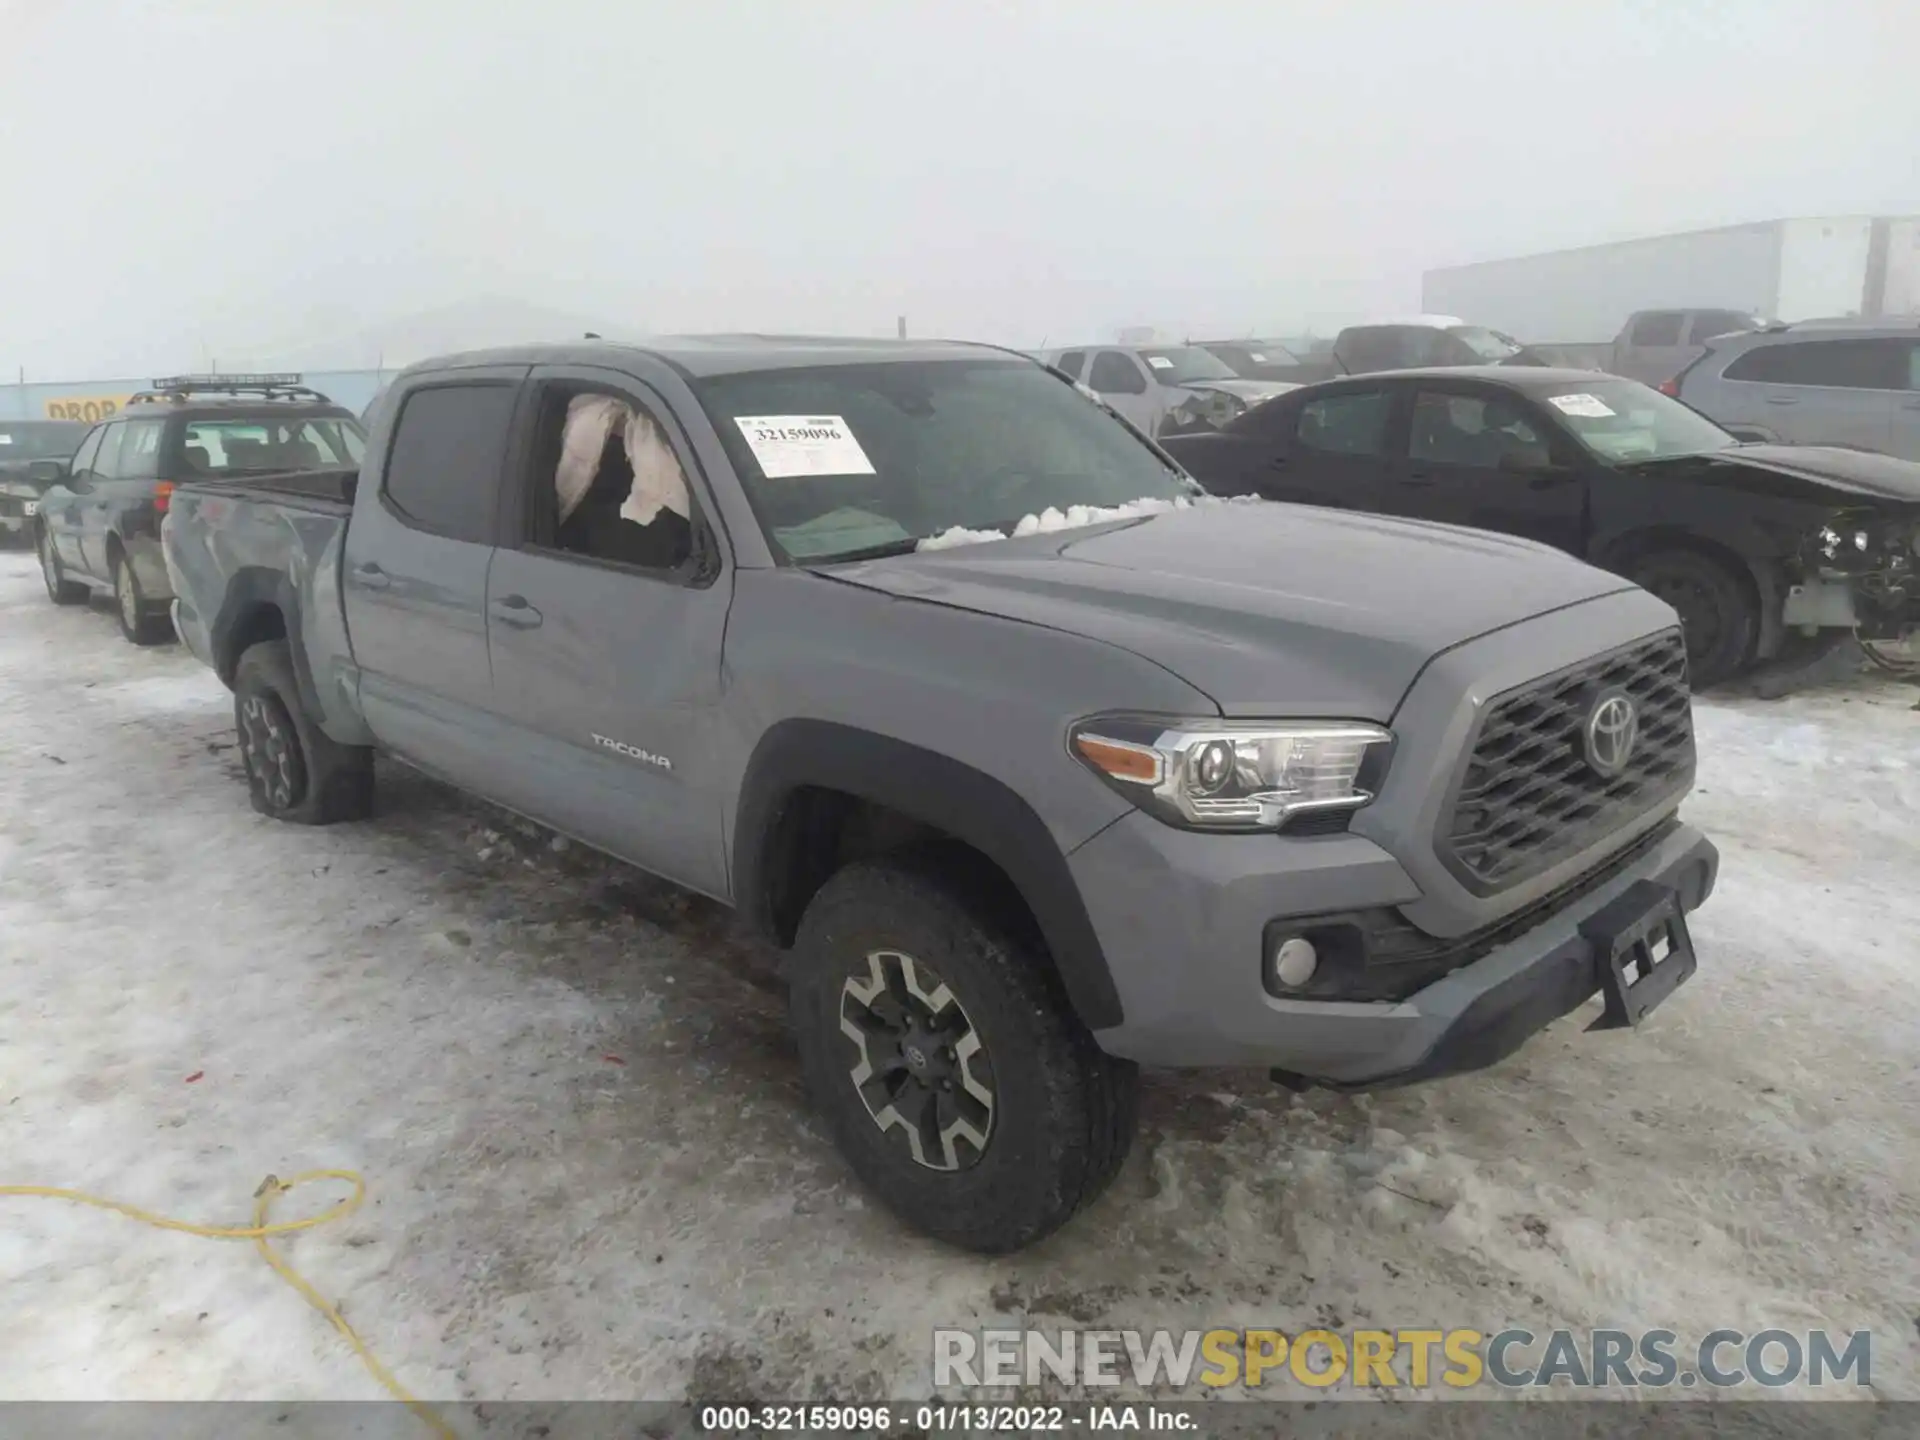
228	176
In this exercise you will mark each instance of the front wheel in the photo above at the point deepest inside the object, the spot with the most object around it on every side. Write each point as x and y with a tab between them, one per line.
948	1066
1717	612
295	770
60	590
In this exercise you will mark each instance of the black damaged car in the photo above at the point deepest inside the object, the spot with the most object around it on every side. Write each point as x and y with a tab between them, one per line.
1759	547
33	454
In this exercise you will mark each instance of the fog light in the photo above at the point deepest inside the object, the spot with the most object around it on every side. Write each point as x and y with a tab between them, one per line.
1294	962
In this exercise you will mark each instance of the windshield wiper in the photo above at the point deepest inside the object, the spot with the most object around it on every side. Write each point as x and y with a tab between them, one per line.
866	552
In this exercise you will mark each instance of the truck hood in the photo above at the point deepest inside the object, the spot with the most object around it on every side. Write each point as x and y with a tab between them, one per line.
1267	608
1817	473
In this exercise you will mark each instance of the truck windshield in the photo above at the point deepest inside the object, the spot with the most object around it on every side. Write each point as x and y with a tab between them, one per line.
39	439
1487	344
1183	363
261	444
847	460
1620	420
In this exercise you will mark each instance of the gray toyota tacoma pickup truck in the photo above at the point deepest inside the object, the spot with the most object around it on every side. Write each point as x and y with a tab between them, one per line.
1038	763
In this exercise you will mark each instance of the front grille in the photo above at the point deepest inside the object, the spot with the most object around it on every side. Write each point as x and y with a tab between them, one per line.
1529	798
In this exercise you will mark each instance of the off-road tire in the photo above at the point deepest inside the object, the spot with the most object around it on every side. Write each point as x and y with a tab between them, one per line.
139	621
295	771
60	590
1717	610
1064	1112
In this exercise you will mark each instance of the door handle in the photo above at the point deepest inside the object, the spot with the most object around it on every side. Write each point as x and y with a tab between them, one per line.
1419	477
1278	462
1781	400
371	576
515	610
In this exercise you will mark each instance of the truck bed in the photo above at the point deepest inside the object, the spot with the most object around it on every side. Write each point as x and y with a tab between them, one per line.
325	491
277	539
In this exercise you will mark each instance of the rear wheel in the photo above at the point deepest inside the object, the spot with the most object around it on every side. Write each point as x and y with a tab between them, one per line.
946	1062
1717	612
60	590
138	620
295	771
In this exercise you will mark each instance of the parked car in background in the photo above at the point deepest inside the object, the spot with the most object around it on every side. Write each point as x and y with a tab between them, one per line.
1269	360
1749	543
1027	810
33	454
1424	340
1165	389
1816	383
1656	345
1784	269
98	526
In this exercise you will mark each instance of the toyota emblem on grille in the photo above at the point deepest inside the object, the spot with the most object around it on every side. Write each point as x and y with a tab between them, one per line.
1612	726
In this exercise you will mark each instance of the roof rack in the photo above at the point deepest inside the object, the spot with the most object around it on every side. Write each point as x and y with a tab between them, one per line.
177	389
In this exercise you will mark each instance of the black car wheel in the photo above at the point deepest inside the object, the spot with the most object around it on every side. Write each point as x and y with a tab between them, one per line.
916	1061
1717	612
138	622
945	1059
60	590
270	750
295	771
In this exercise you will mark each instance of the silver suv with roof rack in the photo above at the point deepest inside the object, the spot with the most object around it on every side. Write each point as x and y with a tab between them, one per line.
1846	381
98	523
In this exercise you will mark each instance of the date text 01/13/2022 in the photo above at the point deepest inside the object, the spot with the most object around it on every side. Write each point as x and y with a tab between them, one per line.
943	1419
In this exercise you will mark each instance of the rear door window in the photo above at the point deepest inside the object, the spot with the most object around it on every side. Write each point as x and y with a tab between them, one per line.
443	472
1072	363
140	449
1116	374
1831	364
1354	423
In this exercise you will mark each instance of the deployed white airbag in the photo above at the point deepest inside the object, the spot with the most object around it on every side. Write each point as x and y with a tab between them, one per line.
658	483
590	420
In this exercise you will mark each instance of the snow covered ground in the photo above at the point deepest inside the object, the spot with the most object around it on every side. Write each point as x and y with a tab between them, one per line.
594	1177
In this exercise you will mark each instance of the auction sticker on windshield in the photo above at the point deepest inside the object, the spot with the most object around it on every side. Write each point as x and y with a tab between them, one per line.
1587	407
1160	362
791	446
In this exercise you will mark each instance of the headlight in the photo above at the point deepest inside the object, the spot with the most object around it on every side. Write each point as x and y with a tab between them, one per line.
1234	775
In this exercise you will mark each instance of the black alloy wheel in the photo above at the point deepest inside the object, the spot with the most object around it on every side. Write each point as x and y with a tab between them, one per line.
270	750
917	1061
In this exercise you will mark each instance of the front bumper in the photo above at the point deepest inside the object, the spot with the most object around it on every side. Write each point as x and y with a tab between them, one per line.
1186	954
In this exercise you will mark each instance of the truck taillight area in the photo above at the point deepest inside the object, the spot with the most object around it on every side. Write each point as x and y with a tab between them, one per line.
162	496
1670	386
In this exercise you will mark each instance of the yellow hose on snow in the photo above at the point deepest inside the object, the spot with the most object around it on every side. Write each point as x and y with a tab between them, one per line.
259	1232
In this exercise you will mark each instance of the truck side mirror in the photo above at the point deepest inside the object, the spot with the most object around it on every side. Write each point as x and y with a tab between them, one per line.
47	471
